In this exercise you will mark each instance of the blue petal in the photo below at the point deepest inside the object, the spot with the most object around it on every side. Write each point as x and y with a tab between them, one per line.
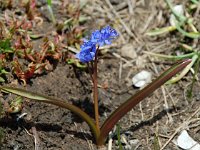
108	42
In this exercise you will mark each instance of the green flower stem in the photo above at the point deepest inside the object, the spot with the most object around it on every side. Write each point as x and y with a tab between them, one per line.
135	99
54	101
95	94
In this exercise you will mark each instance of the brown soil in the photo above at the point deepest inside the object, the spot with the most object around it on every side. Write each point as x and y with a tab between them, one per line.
152	122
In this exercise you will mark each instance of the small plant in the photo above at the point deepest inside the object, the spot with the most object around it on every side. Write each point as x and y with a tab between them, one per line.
16	47
89	55
49	6
118	137
3	72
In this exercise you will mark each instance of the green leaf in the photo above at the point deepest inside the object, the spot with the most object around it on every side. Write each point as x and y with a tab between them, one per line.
54	101
2	79
195	78
119	138
161	31
3	71
193	35
36	36
195	2
49	2
138	97
171	57
76	63
5	46
83	19
83	3
184	71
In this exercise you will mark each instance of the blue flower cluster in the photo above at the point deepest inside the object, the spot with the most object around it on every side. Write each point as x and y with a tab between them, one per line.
98	38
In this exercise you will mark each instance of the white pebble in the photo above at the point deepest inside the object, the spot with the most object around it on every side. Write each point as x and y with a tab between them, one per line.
141	78
179	10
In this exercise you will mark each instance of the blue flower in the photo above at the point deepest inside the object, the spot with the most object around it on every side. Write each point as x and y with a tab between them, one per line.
87	53
104	36
98	38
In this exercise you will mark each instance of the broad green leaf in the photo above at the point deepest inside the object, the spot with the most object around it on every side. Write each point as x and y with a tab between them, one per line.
54	101
138	97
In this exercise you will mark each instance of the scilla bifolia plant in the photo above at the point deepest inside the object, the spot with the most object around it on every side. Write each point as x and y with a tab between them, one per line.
89	54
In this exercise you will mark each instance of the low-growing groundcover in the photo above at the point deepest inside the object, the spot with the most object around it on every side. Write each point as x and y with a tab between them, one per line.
150	123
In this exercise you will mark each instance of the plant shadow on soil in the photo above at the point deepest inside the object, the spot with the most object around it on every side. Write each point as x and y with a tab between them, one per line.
21	124
153	120
88	107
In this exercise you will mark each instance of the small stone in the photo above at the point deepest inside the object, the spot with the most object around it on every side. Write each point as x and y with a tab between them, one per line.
127	147
185	142
128	51
133	142
141	79
179	10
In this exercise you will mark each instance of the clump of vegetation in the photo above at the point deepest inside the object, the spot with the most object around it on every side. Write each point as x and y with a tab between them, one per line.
89	54
181	21
17	52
